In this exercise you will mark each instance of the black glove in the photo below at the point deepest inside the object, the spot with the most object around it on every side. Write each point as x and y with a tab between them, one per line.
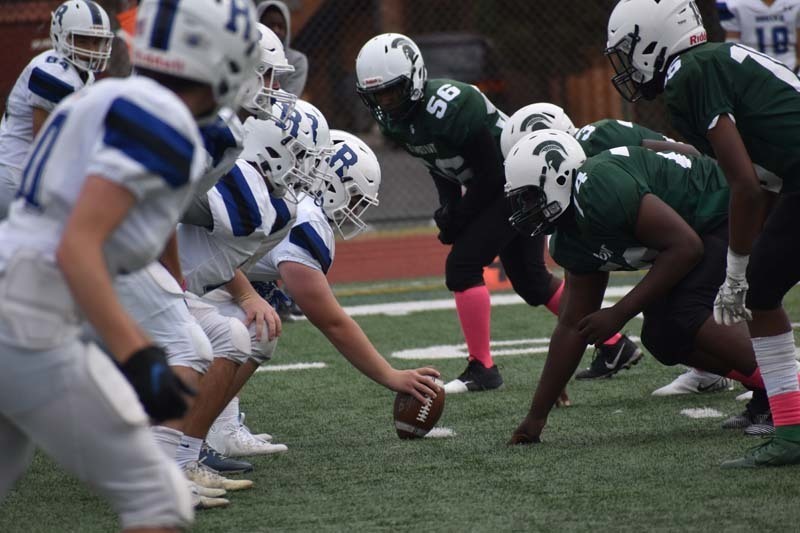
159	389
449	226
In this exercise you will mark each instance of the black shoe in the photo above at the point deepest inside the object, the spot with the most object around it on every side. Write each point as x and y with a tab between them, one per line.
221	463
611	358
475	378
756	412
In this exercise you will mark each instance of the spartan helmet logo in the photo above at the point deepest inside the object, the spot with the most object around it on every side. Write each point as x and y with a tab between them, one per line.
537	121
407	47
554	155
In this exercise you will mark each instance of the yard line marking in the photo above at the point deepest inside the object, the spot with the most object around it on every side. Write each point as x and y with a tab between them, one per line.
293	366
701	412
459	351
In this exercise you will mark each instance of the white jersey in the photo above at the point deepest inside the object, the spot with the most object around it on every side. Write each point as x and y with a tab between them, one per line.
771	29
44	82
223	140
116	129
243	217
310	242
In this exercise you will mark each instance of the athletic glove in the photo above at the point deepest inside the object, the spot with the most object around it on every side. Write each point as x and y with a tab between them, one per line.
159	389
729	306
449	227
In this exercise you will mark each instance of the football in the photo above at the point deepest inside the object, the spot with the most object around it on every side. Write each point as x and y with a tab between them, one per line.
412	419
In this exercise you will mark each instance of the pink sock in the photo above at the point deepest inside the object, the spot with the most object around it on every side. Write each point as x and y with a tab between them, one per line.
753	381
555	300
785	408
474	313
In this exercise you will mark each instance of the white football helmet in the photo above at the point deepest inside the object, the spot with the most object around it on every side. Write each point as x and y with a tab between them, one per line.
82	19
265	146
534	117
259	93
309	138
643	35
390	64
540	172
207	41
355	180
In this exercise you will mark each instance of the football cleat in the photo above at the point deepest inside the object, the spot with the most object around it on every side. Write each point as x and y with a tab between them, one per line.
611	358
775	452
266	437
201	499
762	427
235	439
225	465
475	378
695	381
204	476
756	411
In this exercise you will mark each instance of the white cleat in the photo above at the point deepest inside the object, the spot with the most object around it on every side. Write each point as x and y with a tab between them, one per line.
745	396
455	387
266	437
695	381
202	500
209	478
237	441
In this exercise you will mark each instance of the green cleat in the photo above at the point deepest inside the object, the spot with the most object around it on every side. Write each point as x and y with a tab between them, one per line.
775	452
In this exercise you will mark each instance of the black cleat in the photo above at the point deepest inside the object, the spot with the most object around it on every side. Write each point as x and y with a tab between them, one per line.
221	463
475	378
611	358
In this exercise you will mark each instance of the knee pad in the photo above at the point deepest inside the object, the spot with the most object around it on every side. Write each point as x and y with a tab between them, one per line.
200	343
169	505
240	340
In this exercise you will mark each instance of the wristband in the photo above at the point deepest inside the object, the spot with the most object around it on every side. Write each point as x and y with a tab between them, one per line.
737	265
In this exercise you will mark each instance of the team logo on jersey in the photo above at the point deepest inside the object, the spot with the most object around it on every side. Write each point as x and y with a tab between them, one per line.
537	121
554	154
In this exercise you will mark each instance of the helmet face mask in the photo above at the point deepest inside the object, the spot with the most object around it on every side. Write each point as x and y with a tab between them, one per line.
531	214
391	100
81	32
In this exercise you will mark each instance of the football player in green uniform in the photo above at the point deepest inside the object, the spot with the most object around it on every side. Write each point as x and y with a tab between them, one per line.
594	138
455	130
743	107
628	208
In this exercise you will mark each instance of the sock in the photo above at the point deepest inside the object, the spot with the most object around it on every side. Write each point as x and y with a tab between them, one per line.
188	451
167	439
474	312
753	381
229	415
776	360
555	300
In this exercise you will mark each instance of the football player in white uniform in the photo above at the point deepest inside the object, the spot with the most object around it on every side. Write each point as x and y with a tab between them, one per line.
769	26
81	36
302	260
110	146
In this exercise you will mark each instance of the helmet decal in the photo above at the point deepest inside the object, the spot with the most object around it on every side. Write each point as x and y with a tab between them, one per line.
537	121
554	154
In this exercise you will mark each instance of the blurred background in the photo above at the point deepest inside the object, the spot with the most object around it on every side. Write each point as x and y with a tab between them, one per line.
517	51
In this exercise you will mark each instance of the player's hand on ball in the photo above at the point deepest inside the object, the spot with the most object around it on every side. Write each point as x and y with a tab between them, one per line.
418	382
729	306
266	318
161	392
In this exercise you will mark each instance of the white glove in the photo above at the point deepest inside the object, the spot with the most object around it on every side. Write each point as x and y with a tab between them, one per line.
729	306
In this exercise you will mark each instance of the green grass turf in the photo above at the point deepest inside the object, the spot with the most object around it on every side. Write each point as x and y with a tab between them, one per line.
618	460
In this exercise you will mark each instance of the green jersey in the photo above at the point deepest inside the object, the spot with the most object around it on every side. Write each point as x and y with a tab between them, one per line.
607	193
451	114
608	133
761	94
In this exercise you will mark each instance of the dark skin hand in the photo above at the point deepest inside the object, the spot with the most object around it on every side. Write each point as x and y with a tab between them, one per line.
582	322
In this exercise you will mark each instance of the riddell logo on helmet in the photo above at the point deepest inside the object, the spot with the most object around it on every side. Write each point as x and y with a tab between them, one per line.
156	61
697	39
369	82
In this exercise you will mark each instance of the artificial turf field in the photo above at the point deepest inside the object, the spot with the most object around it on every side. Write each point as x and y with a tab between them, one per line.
617	460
